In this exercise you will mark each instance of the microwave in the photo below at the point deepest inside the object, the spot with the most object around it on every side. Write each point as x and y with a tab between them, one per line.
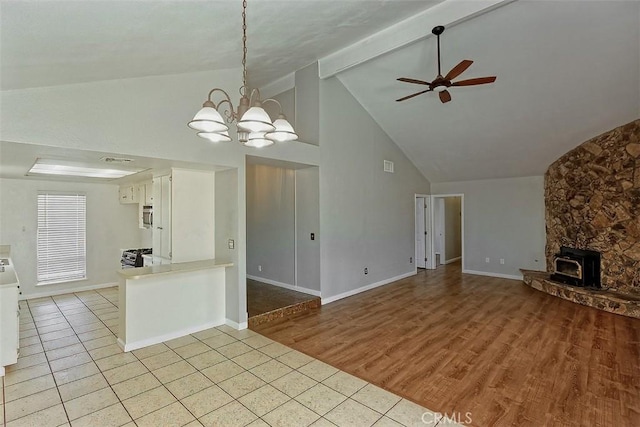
147	216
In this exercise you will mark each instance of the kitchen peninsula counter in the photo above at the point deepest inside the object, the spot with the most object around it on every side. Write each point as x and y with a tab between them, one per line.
162	302
144	272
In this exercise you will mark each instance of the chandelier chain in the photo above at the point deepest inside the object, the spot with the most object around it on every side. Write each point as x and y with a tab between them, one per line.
244	46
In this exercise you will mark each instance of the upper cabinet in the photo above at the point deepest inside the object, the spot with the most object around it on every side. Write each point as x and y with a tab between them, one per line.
128	194
148	191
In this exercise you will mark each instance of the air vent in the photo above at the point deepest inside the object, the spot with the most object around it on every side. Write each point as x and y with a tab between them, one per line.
388	166
116	160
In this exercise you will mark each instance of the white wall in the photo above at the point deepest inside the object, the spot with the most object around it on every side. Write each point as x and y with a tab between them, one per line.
452	227
307	104
111	227
271	223
226	224
503	218
307	222
366	214
192	215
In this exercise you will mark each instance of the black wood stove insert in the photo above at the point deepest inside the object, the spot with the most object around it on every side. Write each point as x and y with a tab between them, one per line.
577	267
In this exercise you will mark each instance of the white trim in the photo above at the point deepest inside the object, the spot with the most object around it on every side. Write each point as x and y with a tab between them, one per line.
279	86
447	13
367	288
165	337
236	325
491	274
449	261
67	291
1	371
285	285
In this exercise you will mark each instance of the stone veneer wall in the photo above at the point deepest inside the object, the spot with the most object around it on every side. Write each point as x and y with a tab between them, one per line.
592	201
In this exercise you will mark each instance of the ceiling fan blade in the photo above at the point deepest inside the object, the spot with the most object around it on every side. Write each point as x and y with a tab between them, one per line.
472	82
458	69
411	96
418	82
445	96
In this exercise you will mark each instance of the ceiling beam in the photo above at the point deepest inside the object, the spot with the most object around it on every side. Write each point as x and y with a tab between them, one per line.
447	13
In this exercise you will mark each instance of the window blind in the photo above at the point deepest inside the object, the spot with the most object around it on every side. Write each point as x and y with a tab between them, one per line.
61	237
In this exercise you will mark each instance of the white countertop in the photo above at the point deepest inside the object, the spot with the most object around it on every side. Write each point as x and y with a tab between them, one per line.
180	267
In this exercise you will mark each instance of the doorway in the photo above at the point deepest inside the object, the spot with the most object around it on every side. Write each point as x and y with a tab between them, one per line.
283	251
448	229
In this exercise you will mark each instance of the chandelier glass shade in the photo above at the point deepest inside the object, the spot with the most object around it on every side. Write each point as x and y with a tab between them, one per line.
215	136
258	140
254	126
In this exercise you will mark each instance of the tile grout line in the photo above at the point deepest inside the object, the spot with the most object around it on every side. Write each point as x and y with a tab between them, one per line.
49	364
94	360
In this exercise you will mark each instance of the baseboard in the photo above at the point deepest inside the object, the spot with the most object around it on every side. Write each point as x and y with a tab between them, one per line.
490	274
67	291
285	285
1	371
366	288
449	261
236	325
166	337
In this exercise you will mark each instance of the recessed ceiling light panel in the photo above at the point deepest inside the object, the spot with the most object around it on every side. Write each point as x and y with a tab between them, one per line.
80	169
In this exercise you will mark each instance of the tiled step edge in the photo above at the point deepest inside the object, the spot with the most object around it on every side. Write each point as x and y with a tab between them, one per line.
284	312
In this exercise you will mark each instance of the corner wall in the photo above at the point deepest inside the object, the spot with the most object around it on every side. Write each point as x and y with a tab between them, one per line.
503	218
592	197
366	214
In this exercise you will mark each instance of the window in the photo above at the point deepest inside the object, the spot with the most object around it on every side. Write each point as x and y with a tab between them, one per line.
61	237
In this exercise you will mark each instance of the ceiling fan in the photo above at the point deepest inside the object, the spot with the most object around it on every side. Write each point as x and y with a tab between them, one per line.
441	84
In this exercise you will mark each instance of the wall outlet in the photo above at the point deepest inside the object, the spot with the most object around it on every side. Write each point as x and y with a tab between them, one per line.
502	261
232	244
366	270
487	260
259	268
410	260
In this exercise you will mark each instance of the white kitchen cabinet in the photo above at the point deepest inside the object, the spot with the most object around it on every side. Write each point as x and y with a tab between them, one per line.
9	311
162	216
128	194
148	192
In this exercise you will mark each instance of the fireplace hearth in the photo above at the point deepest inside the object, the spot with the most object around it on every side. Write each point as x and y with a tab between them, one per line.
577	267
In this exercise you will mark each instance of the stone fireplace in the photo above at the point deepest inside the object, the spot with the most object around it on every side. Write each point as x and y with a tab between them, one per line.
592	202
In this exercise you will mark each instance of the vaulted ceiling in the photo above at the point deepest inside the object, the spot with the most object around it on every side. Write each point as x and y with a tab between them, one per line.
566	70
46	43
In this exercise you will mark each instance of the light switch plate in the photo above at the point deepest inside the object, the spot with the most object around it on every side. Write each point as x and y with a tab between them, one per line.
232	244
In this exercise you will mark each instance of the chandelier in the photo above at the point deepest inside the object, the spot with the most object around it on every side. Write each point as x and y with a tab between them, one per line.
255	128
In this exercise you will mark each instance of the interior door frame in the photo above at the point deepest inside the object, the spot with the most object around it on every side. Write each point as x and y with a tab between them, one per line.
462	235
428	228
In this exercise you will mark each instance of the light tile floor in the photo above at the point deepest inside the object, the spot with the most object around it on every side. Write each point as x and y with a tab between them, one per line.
72	372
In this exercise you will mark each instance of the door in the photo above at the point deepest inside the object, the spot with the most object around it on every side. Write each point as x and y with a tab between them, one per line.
157	217
165	208
423	232
439	230
420	233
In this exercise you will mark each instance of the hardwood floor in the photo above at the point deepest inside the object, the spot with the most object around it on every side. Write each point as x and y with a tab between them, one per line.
504	352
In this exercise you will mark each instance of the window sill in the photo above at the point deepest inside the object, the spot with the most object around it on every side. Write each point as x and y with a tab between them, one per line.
57	282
